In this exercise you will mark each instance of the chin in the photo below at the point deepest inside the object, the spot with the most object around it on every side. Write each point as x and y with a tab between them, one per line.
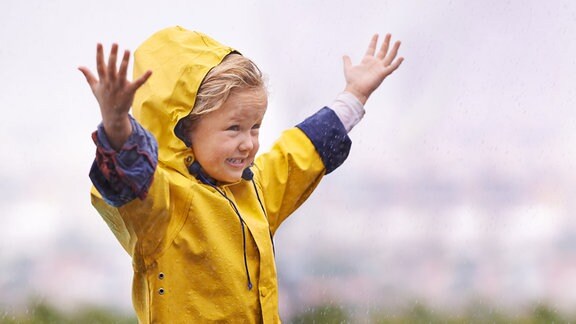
231	179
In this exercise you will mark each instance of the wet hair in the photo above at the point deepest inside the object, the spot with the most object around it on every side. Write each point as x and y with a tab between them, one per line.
234	73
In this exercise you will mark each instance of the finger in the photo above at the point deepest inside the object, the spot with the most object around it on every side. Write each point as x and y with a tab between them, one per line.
372	46
112	62
346	63
140	81
392	67
384	48
100	65
88	75
124	66
392	55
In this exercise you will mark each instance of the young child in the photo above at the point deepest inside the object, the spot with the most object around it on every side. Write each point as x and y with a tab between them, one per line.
179	184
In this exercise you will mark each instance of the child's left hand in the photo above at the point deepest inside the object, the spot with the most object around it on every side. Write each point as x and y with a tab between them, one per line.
364	78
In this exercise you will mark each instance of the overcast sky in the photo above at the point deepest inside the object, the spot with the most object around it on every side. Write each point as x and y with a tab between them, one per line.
477	121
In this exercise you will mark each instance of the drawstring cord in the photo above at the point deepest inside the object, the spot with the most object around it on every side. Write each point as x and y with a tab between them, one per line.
266	215
243	234
196	170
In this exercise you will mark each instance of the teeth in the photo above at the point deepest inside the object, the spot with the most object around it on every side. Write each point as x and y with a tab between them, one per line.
236	160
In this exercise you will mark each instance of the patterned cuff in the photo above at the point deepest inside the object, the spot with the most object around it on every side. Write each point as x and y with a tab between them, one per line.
329	137
121	176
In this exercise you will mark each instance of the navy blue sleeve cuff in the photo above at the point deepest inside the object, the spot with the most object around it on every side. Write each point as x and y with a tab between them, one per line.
121	176
329	137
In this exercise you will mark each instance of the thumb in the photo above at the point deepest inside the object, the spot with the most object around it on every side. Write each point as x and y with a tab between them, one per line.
347	62
88	75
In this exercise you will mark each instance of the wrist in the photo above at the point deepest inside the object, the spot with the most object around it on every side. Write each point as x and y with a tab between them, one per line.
117	123
117	130
359	95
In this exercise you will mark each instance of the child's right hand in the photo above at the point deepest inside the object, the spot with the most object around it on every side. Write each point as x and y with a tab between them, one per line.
114	93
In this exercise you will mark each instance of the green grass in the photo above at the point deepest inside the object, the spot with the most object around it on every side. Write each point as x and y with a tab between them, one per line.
539	314
43	313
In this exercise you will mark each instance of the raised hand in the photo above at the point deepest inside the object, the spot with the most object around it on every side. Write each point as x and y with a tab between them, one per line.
362	79
114	93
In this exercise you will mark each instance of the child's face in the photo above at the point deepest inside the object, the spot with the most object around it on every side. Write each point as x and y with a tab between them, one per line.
225	141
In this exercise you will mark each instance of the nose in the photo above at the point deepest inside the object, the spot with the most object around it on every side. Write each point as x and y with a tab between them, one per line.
247	143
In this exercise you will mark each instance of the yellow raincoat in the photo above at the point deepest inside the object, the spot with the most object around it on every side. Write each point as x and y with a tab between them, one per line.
185	239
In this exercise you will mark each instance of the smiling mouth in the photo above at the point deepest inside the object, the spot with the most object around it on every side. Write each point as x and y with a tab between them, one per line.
236	162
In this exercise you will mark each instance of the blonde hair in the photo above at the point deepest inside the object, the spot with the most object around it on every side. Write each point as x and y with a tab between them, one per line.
234	73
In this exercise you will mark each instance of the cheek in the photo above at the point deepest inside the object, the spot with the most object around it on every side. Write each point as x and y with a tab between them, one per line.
255	149
204	150
256	143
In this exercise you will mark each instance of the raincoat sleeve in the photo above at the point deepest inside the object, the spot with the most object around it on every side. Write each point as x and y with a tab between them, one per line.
130	192
297	162
121	176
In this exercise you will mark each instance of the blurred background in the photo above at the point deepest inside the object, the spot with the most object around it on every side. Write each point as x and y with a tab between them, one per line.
455	203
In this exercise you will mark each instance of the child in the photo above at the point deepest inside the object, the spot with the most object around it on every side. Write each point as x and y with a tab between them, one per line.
179	184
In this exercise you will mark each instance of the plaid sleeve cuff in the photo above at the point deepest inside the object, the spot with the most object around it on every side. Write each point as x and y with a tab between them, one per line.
121	176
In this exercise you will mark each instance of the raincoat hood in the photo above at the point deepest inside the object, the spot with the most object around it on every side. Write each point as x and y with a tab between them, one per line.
179	60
